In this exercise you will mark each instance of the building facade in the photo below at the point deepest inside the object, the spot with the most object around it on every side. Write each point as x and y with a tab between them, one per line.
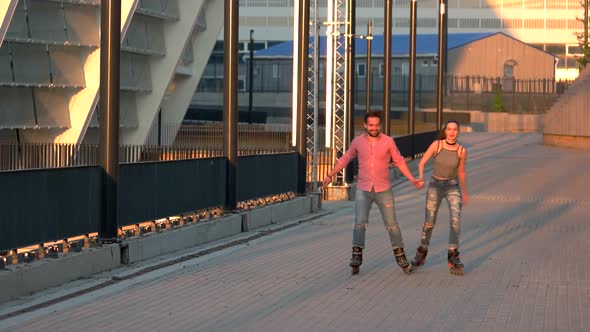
547	24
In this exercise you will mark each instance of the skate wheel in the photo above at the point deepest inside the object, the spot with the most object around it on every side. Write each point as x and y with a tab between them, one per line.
407	270
355	270
457	271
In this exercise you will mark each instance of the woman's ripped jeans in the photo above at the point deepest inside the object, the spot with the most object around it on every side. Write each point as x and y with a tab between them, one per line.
437	190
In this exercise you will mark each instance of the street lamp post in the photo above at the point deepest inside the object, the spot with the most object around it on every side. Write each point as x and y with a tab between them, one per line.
251	76
441	62
412	82
388	4
110	41
369	38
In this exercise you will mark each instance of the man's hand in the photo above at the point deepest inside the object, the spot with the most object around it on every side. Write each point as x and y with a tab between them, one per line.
418	183
326	181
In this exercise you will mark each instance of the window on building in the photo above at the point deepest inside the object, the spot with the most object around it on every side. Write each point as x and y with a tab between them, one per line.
401	22
559	51
556	24
470	4
381	69
512	23
575	25
534	24
275	71
512	3
491	23
534	4
453	23
469	23
574	50
425	22
361	69
556	4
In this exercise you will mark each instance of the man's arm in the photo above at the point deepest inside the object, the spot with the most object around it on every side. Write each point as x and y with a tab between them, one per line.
400	163
462	180
349	155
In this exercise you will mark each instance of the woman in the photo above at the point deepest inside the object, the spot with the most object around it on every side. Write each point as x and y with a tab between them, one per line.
448	182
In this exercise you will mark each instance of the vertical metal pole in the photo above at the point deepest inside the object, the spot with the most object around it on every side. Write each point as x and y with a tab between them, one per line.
369	38
230	100
446	45
303	59
585	26
387	66
350	32
441	61
110	47
412	82
251	76
316	91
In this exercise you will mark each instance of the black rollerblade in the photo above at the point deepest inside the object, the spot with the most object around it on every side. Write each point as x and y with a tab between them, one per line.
420	258
356	260
455	263
402	261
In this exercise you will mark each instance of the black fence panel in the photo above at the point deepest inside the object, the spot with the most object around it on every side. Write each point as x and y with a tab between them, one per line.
48	204
264	175
155	190
421	143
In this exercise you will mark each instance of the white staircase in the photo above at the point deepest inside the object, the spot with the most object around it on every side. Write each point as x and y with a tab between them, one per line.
50	65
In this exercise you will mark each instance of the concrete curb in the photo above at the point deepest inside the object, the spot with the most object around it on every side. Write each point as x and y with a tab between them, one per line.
24	279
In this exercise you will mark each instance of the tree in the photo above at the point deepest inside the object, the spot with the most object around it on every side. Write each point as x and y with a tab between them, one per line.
584	58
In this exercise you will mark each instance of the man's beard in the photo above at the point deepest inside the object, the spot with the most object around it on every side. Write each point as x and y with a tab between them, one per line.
376	133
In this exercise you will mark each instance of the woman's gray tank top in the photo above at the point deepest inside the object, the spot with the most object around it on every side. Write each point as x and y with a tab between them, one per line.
446	164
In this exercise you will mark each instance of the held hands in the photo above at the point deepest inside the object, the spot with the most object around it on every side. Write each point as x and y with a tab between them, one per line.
418	183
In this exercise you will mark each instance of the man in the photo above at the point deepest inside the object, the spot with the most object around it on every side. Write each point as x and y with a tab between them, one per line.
374	151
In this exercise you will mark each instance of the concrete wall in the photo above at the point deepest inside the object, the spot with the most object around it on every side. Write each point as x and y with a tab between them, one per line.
569	116
505	122
23	279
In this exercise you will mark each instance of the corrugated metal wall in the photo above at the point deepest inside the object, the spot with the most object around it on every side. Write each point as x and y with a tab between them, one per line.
570	115
494	52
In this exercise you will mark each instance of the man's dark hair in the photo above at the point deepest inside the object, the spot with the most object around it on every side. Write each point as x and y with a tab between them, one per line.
374	114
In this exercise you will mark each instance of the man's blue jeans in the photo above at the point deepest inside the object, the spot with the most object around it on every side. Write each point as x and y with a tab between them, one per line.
449	190
384	200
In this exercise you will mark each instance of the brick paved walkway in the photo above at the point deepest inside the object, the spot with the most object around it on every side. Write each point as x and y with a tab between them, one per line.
524	237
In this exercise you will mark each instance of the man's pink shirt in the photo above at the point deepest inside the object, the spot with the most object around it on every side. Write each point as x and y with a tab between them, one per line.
373	160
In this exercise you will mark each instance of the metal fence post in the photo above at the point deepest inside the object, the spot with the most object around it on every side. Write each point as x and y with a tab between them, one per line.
230	100
110	45
351	81
388	4
303	65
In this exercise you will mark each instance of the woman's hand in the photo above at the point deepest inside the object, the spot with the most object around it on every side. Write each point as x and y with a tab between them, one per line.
418	183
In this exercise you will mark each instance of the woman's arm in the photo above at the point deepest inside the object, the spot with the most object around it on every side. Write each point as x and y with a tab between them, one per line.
461	173
429	153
